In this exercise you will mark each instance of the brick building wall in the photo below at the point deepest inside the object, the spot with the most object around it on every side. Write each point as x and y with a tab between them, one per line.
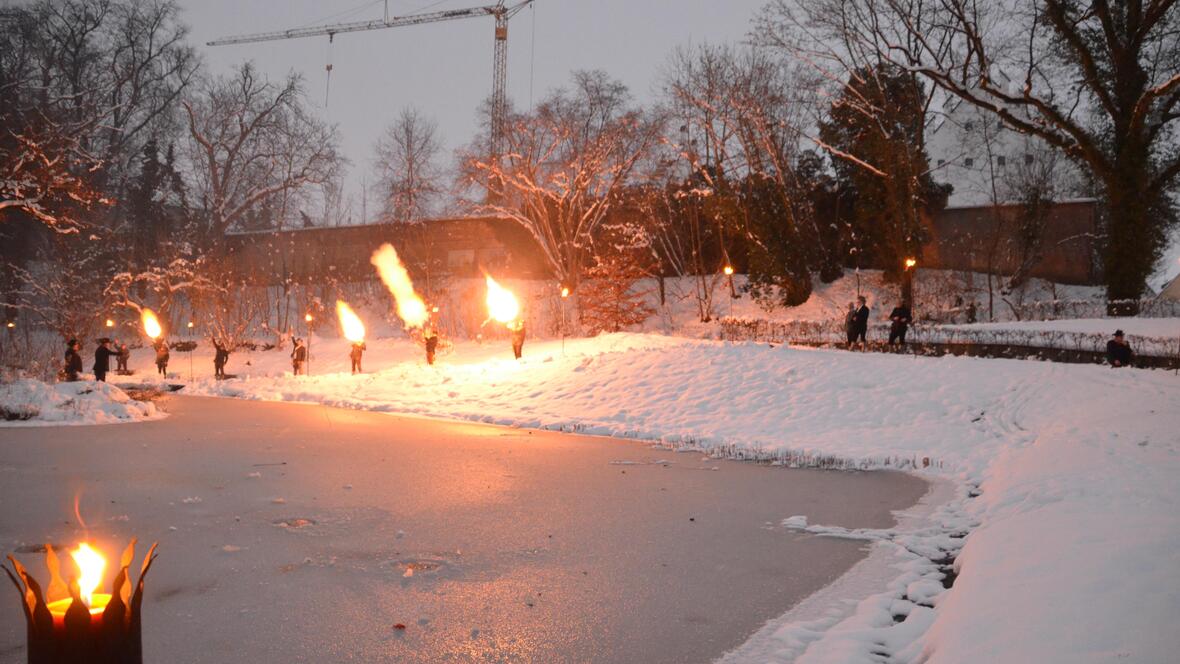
981	237
462	247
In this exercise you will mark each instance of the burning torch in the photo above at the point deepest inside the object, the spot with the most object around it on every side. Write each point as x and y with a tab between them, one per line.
354	330
504	308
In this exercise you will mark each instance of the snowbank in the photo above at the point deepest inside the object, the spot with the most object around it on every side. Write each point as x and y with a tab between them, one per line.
28	402
1064	474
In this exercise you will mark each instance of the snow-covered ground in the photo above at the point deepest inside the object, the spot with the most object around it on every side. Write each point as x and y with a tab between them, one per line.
1064	476
29	402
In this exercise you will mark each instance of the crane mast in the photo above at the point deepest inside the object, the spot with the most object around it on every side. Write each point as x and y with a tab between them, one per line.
499	11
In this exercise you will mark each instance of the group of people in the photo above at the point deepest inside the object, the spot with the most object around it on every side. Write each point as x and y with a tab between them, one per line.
107	349
856	325
300	354
856	322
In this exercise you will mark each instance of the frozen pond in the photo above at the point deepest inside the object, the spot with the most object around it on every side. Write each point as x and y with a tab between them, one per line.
294	533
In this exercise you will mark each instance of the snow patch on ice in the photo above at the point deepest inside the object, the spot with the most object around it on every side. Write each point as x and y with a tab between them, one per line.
28	402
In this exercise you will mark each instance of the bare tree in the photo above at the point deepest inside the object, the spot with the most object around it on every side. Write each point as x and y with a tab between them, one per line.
564	166
252	141
1099	81
406	163
83	86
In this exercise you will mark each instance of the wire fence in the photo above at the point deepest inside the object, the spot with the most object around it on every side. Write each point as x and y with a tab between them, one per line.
1062	309
1055	345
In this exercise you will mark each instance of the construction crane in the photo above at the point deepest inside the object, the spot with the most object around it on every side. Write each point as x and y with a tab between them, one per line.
499	11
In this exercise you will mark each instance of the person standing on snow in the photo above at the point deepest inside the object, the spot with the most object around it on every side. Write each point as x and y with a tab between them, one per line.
299	358
517	329
358	350
220	358
73	364
1118	351
123	357
430	337
862	321
162	355
900	319
102	359
850	324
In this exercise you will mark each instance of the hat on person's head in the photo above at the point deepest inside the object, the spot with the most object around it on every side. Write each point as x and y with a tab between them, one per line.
104	340
72	342
1118	333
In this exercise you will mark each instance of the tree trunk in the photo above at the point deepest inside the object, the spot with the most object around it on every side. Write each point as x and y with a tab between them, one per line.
1130	246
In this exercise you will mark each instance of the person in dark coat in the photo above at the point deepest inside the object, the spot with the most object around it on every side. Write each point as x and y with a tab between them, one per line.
358	351
517	329
123	357
220	358
862	320
431	339
1118	351
162	355
900	320
299	358
850	324
73	363
102	359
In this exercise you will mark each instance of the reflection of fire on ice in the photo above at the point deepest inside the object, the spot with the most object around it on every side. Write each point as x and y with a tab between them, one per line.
350	323
410	307
502	304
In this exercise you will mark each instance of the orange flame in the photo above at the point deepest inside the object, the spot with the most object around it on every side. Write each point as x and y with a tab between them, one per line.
350	323
151	324
90	565
502	304
410	307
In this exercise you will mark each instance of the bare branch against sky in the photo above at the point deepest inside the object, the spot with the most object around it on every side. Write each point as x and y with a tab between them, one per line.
445	69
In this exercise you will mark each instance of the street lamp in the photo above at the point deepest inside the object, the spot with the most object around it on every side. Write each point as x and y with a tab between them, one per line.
728	270
907	283
565	293
192	347
110	323
308	318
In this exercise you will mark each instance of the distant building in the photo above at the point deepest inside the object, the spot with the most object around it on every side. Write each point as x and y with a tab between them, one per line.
993	168
461	247
983	238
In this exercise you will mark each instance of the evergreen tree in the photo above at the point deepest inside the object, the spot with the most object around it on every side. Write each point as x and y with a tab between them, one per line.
875	128
780	253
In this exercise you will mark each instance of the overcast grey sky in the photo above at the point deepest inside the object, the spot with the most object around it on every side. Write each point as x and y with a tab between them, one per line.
445	69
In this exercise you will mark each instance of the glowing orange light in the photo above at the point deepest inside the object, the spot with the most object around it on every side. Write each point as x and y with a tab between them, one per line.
410	307
502	304
308	318
910	262
91	565
11	325
151	324
110	323
350	323
728	270
565	291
